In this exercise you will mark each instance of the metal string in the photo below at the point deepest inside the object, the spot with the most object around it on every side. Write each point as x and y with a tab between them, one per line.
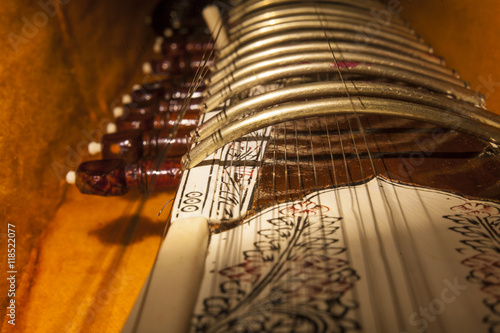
390	215
302	192
317	189
198	77
333	175
362	131
361	223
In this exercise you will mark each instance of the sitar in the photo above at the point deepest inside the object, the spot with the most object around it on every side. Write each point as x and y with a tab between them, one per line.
338	181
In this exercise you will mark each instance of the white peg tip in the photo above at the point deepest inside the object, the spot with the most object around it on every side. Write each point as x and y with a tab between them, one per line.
71	177
147	68
94	148
136	87
126	98
111	128
118	111
157	45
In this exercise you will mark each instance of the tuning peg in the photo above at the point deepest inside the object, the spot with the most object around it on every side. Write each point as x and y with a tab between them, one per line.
164	120
114	177
133	144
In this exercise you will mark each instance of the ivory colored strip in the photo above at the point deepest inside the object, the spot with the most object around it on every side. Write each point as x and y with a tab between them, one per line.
167	305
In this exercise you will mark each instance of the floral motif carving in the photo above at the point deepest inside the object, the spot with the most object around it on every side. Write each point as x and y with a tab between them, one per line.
293	279
476	209
304	207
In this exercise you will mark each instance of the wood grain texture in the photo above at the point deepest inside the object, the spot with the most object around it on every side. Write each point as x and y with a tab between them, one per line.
310	154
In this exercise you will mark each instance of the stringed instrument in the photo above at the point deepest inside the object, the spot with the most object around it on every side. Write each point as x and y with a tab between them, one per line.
338	181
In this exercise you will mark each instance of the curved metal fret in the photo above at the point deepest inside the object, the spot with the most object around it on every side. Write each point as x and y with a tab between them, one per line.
304	19
248	7
317	34
320	46
363	69
325	56
334	26
330	89
325	8
331	106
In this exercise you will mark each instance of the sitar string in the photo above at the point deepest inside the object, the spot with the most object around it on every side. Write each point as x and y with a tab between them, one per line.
352	137
324	235
304	212
422	283
401	246
397	307
197	80
333	175
365	252
229	243
389	212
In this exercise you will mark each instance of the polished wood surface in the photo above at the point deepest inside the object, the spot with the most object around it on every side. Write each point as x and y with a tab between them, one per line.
308	155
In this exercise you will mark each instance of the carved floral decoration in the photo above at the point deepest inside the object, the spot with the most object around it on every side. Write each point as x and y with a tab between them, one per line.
294	279
476	209
479	224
